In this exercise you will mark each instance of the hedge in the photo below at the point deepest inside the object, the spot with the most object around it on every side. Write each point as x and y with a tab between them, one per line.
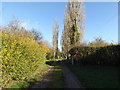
21	55
108	55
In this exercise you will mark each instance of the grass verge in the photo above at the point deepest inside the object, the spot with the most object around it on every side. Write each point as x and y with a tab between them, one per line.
97	76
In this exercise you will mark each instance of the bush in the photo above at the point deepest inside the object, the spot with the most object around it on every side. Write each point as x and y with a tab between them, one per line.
108	55
49	56
21	55
21	84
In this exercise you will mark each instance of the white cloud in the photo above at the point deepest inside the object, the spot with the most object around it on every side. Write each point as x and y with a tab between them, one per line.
31	24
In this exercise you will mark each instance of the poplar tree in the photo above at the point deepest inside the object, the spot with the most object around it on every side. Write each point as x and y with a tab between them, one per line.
75	10
73	25
65	41
55	39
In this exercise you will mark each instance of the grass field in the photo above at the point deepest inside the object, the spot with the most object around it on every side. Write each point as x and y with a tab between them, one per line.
98	77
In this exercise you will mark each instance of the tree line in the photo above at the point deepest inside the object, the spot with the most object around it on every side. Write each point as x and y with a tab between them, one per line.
74	29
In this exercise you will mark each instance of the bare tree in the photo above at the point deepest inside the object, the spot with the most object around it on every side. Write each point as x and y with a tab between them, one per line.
15	24
37	35
55	38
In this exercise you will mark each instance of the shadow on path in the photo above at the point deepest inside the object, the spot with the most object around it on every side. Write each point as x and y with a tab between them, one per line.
70	79
44	81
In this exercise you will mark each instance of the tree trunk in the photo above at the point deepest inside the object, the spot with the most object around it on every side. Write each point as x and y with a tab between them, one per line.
54	55
72	61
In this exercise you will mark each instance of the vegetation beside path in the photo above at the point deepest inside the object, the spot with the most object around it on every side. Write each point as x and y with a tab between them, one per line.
94	76
39	73
57	80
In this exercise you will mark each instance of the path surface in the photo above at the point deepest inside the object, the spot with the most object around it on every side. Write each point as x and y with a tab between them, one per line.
44	82
70	78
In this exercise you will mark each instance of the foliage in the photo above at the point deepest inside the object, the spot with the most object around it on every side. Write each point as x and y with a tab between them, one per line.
21	84
32	78
49	56
72	34
98	42
21	54
108	55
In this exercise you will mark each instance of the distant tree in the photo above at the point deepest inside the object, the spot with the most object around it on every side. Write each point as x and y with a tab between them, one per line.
14	25
98	42
37	35
55	38
84	44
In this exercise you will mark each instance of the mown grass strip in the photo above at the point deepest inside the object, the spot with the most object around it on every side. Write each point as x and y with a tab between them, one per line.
97	76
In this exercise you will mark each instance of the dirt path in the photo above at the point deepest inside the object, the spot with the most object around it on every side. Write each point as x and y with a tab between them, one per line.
44	81
70	79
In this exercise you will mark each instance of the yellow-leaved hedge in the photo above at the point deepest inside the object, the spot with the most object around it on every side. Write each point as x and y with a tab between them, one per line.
21	55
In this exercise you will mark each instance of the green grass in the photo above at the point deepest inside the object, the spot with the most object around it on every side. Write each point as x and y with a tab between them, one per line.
97	77
58	79
22	84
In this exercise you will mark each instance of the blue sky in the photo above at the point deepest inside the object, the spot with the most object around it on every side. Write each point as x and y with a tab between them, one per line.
101	18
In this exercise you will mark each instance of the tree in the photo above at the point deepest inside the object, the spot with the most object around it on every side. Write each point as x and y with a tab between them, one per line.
37	35
55	38
65	41
98	42
15	24
75	11
84	43
73	26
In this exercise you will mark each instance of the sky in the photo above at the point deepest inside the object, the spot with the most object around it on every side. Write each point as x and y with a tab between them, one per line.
101	18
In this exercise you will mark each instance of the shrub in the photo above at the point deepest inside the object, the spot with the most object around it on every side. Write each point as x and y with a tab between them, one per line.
108	55
49	56
21	55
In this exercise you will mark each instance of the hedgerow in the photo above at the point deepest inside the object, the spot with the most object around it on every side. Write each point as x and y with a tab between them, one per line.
21	55
108	55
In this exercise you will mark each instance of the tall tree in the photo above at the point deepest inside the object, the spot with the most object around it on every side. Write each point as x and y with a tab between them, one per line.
73	25
75	10
65	41
55	38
